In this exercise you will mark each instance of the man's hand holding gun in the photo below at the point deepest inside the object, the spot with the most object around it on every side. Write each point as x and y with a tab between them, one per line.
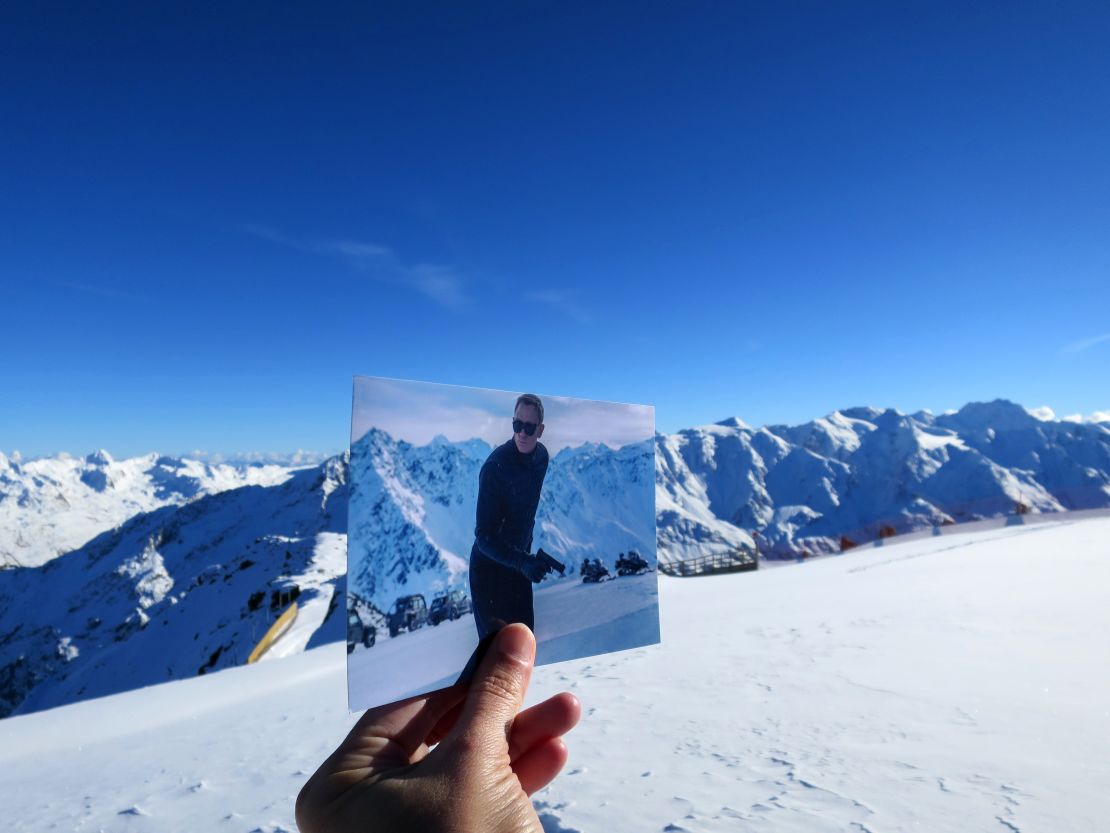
535	568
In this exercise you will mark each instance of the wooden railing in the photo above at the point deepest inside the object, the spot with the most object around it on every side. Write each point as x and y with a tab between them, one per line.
737	561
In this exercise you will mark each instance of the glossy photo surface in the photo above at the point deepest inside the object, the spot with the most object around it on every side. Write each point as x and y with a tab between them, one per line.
471	508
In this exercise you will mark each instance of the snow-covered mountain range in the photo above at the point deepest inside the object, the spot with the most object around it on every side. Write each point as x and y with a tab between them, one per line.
412	510
53	505
856	471
176	592
188	563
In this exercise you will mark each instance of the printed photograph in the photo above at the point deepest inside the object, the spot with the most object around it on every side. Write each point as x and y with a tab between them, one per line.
473	508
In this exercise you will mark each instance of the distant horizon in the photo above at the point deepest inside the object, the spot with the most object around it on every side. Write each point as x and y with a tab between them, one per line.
490	445
1044	413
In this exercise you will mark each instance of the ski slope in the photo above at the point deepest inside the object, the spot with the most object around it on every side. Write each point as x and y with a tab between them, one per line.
957	683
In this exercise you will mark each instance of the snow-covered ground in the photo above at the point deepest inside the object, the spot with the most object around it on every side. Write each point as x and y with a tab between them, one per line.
572	620
957	683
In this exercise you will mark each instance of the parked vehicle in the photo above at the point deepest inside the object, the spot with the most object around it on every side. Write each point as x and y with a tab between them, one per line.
449	606
407	614
359	631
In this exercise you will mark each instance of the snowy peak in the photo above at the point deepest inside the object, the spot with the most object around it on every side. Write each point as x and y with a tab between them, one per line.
412	510
734	422
405	516
831	436
999	415
864	414
53	505
863	469
97	474
175	592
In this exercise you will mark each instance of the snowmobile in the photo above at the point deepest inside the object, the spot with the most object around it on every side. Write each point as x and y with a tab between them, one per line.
594	572
632	564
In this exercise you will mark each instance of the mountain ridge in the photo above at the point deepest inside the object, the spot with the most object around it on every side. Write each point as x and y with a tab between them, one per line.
188	585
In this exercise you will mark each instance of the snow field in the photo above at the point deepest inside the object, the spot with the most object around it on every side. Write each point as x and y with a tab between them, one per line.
957	683
426	659
951	684
572	619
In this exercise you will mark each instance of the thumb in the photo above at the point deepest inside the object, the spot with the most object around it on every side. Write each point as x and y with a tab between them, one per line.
497	689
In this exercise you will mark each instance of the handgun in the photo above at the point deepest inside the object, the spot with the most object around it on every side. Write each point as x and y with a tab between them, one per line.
551	563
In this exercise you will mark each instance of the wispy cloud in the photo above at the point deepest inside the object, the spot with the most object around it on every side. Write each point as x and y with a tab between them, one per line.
1046	414
564	301
1084	344
1080	419
439	283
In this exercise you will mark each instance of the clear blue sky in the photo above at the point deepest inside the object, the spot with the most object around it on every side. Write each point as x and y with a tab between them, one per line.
211	218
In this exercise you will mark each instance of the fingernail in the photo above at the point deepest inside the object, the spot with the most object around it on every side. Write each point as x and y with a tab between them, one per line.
516	642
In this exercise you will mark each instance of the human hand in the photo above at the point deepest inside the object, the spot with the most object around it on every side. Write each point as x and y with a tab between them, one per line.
386	777
533	569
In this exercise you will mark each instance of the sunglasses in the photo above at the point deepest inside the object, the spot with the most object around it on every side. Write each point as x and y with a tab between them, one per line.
529	428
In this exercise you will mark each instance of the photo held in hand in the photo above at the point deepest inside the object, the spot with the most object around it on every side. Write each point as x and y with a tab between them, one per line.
472	509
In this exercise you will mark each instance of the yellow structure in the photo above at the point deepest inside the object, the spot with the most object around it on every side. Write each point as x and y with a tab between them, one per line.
276	631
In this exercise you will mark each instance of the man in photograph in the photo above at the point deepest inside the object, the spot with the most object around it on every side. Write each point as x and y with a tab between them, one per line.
502	566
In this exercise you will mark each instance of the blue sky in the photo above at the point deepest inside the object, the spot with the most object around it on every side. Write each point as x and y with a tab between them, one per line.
211	220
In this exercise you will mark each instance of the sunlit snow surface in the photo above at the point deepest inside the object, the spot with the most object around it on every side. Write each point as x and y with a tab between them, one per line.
573	619
957	683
